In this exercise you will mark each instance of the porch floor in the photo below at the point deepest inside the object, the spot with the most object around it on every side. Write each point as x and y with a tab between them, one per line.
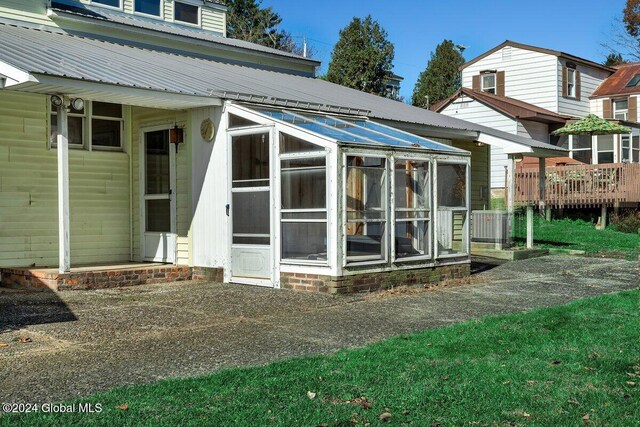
98	276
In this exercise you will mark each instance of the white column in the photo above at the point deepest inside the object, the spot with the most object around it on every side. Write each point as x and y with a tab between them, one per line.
63	191
542	178
529	226
511	195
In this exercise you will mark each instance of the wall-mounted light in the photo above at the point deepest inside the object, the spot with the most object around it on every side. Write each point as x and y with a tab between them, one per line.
479	144
176	136
57	101
77	104
62	101
518	158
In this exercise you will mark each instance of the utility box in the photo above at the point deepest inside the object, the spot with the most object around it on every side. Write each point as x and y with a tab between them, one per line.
491	227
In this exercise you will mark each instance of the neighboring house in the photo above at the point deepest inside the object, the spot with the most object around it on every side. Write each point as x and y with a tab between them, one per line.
531	91
134	131
392	86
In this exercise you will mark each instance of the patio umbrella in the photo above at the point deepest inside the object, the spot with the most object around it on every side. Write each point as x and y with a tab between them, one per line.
591	125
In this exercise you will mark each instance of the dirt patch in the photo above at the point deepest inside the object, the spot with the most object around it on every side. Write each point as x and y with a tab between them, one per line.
429	287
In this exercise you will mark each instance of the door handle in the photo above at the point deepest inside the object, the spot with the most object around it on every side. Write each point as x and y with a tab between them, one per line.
227	208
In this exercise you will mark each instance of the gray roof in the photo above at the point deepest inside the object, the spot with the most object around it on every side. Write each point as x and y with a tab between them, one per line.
115	17
50	52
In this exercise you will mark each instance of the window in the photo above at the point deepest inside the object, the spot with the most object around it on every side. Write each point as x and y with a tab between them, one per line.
571	82
581	148
412	209
488	82
366	208
238	122
635	81
605	149
102	120
112	3
635	149
303	200
148	7
625	143
620	109
452	214
186	13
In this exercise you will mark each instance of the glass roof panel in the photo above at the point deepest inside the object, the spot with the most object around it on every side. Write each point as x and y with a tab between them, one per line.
409	138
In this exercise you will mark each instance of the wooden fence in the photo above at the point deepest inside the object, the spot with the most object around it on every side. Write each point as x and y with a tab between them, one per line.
613	184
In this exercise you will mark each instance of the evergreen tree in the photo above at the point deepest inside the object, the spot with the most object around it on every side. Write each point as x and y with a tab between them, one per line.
441	78
614	59
362	58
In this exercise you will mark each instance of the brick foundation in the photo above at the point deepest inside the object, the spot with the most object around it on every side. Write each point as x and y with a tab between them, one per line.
208	274
368	282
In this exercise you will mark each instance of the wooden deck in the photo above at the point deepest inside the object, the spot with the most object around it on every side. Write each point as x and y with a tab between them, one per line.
615	184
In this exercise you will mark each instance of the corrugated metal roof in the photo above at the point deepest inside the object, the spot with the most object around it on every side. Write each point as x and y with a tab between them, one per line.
616	84
49	52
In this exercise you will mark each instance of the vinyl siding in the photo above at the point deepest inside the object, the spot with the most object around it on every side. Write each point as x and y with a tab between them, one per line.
477	112
529	76
590	79
533	130
479	173
214	20
30	11
98	187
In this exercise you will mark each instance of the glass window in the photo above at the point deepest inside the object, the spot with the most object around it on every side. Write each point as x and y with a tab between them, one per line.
187	13
157	162
605	149
412	208
250	228
625	142
112	3
620	109
290	144
634	81
76	125
635	149
452	215
571	82
238	122
250	160
304	183
366	208
149	7
582	149
488	82
106	125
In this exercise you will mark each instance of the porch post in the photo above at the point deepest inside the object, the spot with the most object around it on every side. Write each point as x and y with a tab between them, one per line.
542	178
511	195
62	140
529	226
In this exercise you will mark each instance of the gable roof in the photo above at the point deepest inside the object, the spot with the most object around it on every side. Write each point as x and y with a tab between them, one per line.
508	106
541	50
616	84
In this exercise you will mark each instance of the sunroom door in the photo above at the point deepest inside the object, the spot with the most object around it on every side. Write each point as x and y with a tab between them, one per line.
158	206
251	254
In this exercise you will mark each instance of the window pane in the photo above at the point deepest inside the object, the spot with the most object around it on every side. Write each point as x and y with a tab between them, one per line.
304	183
636	156
605	158
621	104
186	13
583	156
582	141
412	184
560	141
251	217
106	133
291	144
451	232
365	241
157	162
114	3
250	160
304	241
107	109
158	213
605	143
75	129
237	121
452	185
150	7
636	142
412	239
488	81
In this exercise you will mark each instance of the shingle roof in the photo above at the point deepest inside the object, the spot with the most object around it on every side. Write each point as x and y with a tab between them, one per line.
510	107
55	53
616	83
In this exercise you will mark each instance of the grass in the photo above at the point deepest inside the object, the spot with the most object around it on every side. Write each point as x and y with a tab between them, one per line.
579	235
549	367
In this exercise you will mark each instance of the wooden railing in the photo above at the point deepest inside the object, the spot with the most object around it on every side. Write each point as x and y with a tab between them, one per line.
611	184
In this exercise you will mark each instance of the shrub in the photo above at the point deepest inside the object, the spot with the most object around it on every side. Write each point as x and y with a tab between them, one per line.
627	222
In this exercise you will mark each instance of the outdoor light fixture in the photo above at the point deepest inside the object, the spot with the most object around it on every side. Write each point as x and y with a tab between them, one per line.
57	101
77	104
479	144
176	136
62	101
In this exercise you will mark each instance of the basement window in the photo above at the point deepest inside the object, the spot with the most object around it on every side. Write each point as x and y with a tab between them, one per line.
186	13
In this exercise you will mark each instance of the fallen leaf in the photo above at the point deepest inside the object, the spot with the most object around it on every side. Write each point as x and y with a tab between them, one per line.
311	395
631	383
506	382
4	344
24	340
573	402
385	416
526	415
585	419
123	407
405	412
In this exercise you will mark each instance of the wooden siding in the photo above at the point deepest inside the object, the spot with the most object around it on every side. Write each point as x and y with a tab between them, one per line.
477	112
99	192
480	198
148	117
590	79
529	76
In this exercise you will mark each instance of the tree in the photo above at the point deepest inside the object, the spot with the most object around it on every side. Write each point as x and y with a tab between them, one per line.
247	20
441	78
614	59
625	38
362	58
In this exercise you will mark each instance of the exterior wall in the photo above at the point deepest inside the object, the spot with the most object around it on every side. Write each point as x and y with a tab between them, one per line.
477	112
534	130
372	281
480	174
99	192
529	76
148	117
590	79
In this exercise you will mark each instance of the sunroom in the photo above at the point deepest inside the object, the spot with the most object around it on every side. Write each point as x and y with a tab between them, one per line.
332	201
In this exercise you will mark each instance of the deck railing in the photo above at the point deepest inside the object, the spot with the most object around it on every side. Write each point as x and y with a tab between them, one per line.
611	184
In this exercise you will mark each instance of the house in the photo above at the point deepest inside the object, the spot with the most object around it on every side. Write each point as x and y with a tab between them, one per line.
392	86
532	91
139	144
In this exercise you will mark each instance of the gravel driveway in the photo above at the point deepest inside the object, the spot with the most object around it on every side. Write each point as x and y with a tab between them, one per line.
81	342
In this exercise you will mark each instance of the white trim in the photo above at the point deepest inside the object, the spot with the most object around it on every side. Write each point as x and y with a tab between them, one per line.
188	3
149	15
64	239
106	6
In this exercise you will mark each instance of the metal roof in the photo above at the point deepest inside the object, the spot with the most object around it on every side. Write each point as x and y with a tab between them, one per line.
50	52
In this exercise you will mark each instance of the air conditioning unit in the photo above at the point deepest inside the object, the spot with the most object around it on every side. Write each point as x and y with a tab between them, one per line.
491	227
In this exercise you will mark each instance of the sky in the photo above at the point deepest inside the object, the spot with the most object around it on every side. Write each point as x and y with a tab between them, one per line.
415	27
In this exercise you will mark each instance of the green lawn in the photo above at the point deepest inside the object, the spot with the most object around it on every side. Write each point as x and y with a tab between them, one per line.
579	235
549	367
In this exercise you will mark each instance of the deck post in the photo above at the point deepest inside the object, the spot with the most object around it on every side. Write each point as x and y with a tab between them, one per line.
542	178
603	217
511	192
529	226
62	140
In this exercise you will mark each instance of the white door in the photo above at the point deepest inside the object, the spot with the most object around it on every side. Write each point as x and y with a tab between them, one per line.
158	207
251	254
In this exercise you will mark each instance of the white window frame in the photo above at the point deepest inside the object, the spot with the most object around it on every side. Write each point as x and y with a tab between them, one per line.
635	151
597	150
466	209
629	157
120	8
189	3
106	118
85	134
484	88
571	82
623	111
148	15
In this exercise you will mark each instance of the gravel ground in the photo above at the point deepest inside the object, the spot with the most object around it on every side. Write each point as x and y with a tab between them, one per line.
81	342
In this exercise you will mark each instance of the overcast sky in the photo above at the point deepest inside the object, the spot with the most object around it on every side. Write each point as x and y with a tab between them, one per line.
415	27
